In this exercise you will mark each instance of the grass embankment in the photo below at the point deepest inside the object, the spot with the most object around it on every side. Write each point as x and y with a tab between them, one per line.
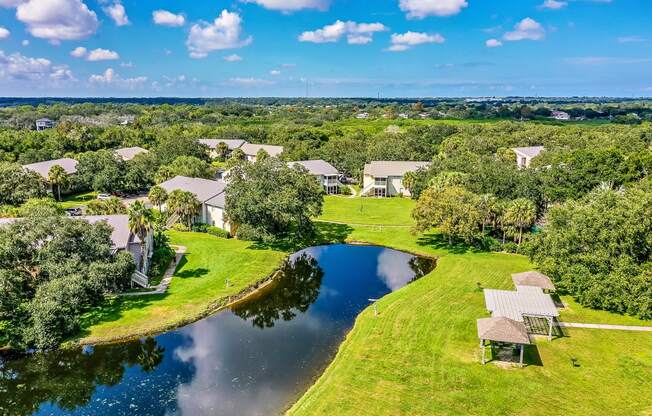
198	287
420	356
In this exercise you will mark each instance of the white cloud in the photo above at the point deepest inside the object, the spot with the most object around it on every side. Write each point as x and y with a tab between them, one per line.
57	20
127	64
419	9
111	78
493	43
224	33
553	4
100	54
233	58
78	52
275	72
21	67
25	42
526	29
117	12
249	82
356	33
405	41
166	18
631	39
62	73
4	33
291	5
9	4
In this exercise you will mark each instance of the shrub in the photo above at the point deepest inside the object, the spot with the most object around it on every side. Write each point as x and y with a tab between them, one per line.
247	233
180	227
217	232
199	227
510	247
161	259
345	190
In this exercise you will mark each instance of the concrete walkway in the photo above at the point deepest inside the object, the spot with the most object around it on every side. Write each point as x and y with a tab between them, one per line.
605	326
167	277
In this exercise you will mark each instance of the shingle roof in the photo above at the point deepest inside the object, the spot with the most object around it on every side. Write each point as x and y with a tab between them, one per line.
316	167
251	149
530	151
502	330
43	168
121	235
128	153
232	144
218	200
392	168
533	278
204	189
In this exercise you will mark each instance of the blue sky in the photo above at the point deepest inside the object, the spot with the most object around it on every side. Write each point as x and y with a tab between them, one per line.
325	47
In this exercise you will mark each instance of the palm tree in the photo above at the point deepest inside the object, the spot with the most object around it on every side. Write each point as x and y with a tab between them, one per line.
221	151
520	213
409	180
184	204
487	209
157	196
140	223
59	177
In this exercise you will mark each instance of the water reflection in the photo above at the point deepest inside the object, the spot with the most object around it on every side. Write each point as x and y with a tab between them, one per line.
295	290
254	360
68	379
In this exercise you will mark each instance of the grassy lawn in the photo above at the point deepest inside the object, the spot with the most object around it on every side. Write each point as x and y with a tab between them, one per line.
420	355
78	200
376	211
198	287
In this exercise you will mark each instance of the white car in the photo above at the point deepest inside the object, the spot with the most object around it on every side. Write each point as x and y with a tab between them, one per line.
103	197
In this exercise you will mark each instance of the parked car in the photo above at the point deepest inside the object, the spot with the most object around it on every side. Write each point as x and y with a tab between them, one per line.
73	212
103	197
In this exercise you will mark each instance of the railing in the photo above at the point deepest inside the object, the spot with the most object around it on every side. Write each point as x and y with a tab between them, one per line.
367	188
172	219
140	279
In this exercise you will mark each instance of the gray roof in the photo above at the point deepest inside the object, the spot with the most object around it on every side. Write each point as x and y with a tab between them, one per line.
525	300
533	278
392	168
251	149
121	235
204	189
44	119
503	330
316	167
218	200
232	144
43	168
128	153
530	151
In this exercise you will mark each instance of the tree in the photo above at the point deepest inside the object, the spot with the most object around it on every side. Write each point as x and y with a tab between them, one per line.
170	147
453	210
599	249
109	206
221	151
237	157
140	224
273	200
189	166
520	213
51	270
101	171
487	207
17	185
185	205
157	196
40	207
57	176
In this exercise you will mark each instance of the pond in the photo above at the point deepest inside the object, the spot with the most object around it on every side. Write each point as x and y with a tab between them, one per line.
255	359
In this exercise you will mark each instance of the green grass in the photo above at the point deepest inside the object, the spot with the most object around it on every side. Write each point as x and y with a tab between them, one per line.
374	211
199	286
420	356
78	200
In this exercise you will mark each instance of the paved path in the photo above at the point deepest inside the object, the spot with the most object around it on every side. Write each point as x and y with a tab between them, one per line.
167	277
366	225
605	326
353	192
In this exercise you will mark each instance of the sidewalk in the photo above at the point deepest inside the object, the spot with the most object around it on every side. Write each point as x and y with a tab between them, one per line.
167	277
605	326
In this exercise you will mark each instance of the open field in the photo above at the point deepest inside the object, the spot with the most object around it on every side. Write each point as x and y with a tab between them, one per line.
375	211
420	355
198	286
